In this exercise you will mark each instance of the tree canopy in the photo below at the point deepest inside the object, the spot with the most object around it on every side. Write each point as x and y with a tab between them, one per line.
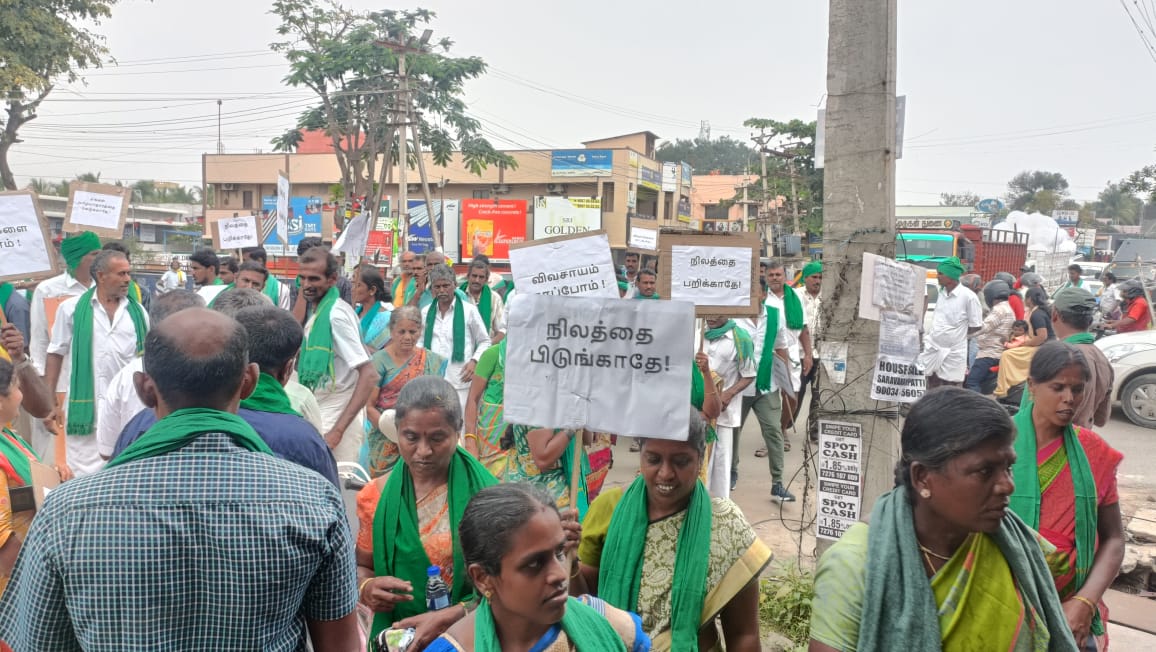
790	148
722	155
1037	191
965	198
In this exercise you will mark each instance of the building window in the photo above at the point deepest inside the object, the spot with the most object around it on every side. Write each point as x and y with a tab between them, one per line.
481	194
608	198
717	211
247	199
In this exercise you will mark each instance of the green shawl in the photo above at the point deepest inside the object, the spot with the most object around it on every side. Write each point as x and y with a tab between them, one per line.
899	609
183	427
269	396
397	547
620	573
1080	338
653	297
273	289
5	294
410	287
367	312
485	302
218	295
1025	501
794	307
459	352
587	629
16	457
767	359
744	345
81	389
315	365
698	399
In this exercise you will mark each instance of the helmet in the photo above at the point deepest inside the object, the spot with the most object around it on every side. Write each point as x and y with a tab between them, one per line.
1030	279
1006	277
1131	289
996	291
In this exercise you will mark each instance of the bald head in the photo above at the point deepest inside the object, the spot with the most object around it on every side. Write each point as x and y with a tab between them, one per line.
196	358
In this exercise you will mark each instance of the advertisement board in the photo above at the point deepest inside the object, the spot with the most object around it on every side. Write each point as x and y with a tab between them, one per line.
581	163
687	174
671	172
305	221
490	226
648	178
566	215
421	238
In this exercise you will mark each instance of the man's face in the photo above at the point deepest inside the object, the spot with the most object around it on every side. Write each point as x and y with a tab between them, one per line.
201	273
228	276
407	261
250	279
174	265
433	259
115	280
477	278
776	277
715	322
814	282
631	263
314	281
443	291
1073	276
646	285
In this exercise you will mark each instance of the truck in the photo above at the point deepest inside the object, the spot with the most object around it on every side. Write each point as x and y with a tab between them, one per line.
929	241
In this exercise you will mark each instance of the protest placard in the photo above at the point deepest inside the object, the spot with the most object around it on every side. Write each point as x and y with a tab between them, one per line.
236	232
97	207
567	265
840	469
25	248
643	237
603	364
717	273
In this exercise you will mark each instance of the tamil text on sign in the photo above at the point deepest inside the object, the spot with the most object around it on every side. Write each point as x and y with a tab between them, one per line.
238	232
24	245
95	207
569	266
717	273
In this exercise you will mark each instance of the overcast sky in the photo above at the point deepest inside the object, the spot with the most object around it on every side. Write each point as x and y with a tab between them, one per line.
993	87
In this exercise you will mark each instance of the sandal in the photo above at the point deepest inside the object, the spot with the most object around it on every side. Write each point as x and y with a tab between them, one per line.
762	452
786	445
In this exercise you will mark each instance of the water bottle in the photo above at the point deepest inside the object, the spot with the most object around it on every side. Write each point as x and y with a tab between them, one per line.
437	595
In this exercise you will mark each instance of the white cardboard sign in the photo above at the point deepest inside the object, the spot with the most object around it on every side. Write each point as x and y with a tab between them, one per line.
25	251
99	208
641	238
716	276
568	266
239	232
604	364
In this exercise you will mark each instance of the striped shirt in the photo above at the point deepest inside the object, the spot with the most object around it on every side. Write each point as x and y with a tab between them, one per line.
210	547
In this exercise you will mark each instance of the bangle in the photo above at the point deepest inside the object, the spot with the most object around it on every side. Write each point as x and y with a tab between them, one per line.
1086	601
361	587
470	435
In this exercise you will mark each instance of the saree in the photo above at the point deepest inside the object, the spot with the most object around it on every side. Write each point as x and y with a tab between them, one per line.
375	326
16	460
383	454
520	467
1014	365
491	427
737	556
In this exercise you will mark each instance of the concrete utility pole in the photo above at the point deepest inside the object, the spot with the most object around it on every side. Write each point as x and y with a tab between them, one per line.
858	217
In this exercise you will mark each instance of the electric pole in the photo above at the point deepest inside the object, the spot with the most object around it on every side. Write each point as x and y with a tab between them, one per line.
858	217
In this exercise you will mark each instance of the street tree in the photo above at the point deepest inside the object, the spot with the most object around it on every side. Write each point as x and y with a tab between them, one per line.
723	155
338	54
1142	181
790	170
1036	191
41	44
965	198
1118	203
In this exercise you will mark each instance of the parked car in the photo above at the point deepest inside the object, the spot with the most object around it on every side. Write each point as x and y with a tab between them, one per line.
1133	358
1091	269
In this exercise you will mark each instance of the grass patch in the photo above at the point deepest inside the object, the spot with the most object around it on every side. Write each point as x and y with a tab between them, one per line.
785	603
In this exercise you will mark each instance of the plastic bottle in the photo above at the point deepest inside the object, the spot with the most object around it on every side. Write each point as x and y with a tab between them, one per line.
437	595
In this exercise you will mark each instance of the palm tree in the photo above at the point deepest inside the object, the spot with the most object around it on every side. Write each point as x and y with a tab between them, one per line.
1120	205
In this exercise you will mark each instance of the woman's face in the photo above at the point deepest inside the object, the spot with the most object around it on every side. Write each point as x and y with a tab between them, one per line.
534	581
427	442
10	403
973	489
361	292
1056	399
405	333
670	470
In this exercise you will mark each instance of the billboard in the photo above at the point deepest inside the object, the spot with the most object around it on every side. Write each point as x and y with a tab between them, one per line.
420	238
304	221
566	215
490	226
581	163
687	174
648	178
670	177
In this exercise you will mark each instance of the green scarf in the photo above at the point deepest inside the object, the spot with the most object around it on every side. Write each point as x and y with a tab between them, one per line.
218	295
587	629
410	287
397	548
16	457
794	307
767	360
315	365
1080	338
273	290
899	610
744	345
218	281
653	297
81	391
181	428
698	398
485	302
459	353
269	396
5	294
620	575
368	313
1025	501
135	291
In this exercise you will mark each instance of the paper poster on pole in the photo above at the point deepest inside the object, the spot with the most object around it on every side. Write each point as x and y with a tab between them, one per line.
643	237
603	364
569	265
902	382
840	477
236	233
868	288
25	247
281	226
717	273
97	207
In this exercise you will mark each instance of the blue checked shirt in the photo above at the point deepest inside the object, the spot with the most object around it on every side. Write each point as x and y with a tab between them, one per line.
210	547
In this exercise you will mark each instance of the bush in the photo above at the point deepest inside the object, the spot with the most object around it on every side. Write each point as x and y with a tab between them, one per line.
785	603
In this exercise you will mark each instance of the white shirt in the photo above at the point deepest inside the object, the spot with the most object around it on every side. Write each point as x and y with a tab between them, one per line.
945	345
210	292
170	281
497	312
348	351
477	339
811	314
758	332
791	339
46	299
724	362
283	294
117	406
303	400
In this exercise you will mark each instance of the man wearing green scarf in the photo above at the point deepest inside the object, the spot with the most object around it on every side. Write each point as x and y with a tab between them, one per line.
205	266
732	356
454	329
1072	312
786	299
277	291
194	510
812	279
1075	277
488	302
957	316
95	335
646	285
333	361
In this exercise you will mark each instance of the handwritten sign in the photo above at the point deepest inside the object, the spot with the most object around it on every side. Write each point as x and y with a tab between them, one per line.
643	239
96	207
840	476
569	266
717	273
604	364
25	249
237	232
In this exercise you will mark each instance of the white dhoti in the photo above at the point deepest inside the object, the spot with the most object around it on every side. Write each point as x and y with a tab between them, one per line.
84	455
332	405
718	474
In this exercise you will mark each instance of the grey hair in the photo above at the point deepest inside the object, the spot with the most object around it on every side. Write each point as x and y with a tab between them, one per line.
104	259
696	433
774	263
430	393
231	302
493	518
173	302
411	313
441	273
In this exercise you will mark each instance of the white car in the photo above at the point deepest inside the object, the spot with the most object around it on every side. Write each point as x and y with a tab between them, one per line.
1133	358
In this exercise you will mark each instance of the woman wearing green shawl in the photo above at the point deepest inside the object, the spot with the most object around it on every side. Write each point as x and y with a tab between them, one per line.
544	456
684	562
515	545
944	565
371	302
1066	489
16	458
409	517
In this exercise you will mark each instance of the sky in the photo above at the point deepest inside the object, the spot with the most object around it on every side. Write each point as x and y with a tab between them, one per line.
993	87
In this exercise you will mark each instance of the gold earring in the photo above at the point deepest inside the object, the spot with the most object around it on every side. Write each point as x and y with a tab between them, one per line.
926	493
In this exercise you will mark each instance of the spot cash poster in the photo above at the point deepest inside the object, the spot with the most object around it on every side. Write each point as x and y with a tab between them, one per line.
604	364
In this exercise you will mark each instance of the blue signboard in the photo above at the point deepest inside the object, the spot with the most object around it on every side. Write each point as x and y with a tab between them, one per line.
648	178
304	222
421	238
989	206
582	163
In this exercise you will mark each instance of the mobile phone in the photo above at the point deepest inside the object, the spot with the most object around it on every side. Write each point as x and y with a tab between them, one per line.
23	499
